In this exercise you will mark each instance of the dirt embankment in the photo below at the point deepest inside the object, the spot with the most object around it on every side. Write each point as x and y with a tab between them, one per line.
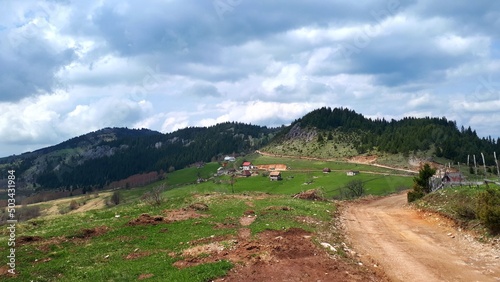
412	246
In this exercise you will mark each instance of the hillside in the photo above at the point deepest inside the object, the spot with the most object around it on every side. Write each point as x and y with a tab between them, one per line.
99	158
96	159
343	133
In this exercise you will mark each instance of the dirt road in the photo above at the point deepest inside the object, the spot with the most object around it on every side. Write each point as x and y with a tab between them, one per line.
411	246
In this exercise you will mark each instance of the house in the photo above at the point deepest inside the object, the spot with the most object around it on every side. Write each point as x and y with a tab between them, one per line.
229	159
452	177
247	165
327	170
352	172
275	176
246	173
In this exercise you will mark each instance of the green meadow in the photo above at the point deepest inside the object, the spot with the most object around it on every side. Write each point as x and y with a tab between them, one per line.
100	245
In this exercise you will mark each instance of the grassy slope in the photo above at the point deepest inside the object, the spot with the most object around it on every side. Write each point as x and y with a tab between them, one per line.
85	259
457	203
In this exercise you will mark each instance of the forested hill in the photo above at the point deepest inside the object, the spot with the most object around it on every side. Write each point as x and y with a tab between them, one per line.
396	136
101	157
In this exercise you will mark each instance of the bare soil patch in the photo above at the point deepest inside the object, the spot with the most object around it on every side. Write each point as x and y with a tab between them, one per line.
91	232
278	208
286	255
28	239
182	214
247	220
145	276
137	255
146	219
313	194
170	216
363	159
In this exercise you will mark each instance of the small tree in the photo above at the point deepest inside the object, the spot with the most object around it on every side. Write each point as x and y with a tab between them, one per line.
488	209
154	197
421	184
353	189
116	198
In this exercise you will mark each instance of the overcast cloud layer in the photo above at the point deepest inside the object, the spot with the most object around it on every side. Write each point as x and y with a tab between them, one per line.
70	67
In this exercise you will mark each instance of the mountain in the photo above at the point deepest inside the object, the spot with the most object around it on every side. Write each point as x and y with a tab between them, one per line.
342	133
96	159
99	158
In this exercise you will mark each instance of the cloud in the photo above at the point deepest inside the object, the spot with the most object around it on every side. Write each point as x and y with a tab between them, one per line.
68	67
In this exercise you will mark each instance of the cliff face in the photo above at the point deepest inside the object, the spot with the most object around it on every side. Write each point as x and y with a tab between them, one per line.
305	134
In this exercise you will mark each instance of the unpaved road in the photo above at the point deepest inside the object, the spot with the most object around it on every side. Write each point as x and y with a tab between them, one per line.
411	246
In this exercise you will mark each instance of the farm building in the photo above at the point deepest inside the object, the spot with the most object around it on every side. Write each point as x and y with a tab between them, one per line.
452	177
247	165
327	170
246	173
275	176
229	159
352	172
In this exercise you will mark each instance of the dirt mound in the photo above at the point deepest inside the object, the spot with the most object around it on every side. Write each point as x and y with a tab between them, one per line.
199	207
90	232
146	219
182	214
278	208
28	239
313	195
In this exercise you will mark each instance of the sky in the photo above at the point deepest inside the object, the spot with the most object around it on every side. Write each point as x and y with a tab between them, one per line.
70	67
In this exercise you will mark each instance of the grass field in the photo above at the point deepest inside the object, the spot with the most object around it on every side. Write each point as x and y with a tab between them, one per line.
120	252
100	245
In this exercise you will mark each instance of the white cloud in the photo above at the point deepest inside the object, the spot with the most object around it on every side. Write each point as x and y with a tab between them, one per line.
67	68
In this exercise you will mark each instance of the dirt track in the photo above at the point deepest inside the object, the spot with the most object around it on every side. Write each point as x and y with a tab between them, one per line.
411	246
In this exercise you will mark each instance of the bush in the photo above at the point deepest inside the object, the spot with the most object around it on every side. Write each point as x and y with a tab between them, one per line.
414	195
353	189
154	197
73	205
28	212
488	209
116	198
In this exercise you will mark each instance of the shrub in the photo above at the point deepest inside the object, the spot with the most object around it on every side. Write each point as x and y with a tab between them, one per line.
27	212
73	205
154	197
414	195
353	189
488	209
116	198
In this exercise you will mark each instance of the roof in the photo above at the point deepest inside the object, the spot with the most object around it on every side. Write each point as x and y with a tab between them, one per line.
247	163
275	173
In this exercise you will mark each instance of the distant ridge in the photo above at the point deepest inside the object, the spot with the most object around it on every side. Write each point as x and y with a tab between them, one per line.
98	158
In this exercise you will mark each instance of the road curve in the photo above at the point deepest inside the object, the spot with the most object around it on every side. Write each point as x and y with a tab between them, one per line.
409	246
